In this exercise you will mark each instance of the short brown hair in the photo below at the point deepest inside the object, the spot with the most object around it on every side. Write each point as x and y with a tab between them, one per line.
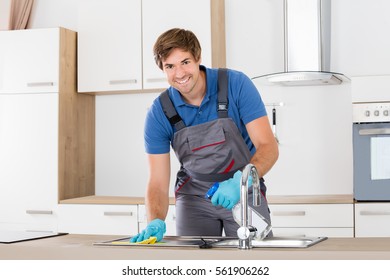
176	38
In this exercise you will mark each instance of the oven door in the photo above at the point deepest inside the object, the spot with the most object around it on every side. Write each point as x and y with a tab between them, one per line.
371	164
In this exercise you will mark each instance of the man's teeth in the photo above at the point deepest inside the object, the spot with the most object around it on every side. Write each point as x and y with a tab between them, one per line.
182	81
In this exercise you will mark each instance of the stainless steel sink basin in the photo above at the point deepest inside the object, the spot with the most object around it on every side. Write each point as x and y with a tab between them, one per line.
220	242
274	242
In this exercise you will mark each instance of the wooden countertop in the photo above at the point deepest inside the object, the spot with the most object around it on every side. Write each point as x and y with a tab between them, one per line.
272	199
80	247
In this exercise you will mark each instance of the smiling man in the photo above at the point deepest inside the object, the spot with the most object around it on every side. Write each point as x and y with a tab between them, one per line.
216	123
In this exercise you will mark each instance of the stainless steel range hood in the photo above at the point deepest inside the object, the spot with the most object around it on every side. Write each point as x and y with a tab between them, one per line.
307	25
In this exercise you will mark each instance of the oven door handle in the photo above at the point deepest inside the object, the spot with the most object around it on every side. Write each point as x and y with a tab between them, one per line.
374	131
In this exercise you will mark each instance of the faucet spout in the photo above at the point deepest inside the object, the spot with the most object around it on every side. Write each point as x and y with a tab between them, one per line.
246	232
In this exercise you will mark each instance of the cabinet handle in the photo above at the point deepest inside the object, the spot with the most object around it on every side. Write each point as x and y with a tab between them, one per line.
375	213
374	131
156	80
108	213
39	212
289	213
292	235
40	84
119	82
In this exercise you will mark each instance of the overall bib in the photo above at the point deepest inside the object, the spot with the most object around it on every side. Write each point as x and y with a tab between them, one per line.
209	152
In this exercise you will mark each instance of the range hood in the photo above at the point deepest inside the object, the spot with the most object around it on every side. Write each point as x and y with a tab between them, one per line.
307	26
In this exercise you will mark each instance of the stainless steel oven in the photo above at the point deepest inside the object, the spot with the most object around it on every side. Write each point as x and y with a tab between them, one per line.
371	151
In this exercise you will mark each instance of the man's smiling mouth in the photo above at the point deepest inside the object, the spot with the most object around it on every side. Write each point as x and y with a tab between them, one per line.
181	82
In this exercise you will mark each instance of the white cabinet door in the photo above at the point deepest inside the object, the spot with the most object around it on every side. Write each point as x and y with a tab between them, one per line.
159	16
313	232
29	159
98	219
109	45
335	220
117	54
29	61
372	219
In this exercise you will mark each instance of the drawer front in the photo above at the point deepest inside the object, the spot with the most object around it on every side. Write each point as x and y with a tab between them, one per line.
312	215
313	232
42	225
372	220
98	219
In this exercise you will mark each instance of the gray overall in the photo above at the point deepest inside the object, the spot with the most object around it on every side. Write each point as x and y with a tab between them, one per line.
209	152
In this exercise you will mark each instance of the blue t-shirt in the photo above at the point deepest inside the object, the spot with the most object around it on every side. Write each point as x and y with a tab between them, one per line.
245	105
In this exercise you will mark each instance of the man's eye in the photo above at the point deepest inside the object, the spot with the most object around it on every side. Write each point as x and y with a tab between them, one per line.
168	66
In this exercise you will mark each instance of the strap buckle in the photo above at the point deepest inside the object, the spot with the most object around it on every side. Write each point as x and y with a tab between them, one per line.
222	106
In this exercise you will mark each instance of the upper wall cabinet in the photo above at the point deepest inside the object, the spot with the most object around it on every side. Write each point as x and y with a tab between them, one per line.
116	55
109	45
159	16
19	64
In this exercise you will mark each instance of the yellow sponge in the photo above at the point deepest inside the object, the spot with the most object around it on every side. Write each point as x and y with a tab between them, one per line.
150	240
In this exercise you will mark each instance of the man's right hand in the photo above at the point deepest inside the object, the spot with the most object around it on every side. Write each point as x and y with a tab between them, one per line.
155	228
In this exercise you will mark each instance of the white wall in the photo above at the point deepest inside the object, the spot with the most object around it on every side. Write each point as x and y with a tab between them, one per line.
314	125
5	6
54	13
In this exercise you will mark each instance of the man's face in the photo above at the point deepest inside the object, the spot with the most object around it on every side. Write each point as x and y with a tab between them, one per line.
182	72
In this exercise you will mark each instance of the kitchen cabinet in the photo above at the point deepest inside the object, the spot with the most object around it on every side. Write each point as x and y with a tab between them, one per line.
170	220
117	55
331	220
23	52
109	51
28	160
46	128
372	219
155	21
98	219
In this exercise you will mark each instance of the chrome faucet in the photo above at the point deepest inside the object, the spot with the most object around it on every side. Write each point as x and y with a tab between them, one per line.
246	232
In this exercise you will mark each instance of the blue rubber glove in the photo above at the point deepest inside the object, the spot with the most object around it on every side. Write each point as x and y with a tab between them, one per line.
228	193
155	228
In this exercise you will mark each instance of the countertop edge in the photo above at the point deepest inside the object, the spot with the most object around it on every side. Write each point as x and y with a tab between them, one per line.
272	199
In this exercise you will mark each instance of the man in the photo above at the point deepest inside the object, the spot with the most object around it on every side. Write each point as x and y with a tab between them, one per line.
216	123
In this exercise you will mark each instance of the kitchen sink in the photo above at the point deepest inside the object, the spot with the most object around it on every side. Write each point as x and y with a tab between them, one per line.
219	242
273	242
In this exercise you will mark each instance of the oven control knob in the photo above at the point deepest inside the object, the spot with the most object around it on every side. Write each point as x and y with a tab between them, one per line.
386	113
376	113
367	113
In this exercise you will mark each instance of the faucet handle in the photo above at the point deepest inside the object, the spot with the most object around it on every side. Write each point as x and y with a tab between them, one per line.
246	232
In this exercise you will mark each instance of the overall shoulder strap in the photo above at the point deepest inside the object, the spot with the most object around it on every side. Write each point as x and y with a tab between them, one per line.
170	111
222	93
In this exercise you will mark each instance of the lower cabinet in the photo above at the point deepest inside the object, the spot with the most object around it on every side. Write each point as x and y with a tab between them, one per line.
28	161
98	219
372	219
170	220
330	220
35	220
